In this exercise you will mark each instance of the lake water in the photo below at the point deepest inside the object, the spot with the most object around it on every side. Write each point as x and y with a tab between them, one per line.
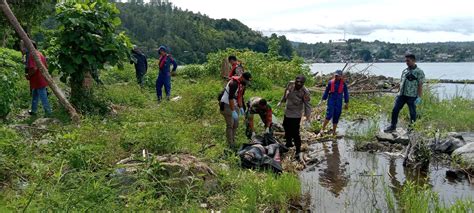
351	181
451	71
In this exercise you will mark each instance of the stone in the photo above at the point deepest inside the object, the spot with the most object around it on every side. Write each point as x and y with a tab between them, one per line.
382	136
466	154
399	137
468	137
45	142
44	122
402	139
178	168
447	145
455	174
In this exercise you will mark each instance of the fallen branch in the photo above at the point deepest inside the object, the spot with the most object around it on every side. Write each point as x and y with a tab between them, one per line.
318	89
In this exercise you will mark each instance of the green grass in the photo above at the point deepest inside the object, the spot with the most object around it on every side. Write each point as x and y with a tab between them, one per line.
364	135
73	172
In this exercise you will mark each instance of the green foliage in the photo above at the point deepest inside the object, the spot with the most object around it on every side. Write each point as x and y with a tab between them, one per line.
416	198
274	192
190	36
273	46
266	71
11	69
365	134
86	38
85	42
30	14
194	71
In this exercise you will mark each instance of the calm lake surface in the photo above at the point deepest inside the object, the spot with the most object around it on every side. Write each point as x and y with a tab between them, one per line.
451	71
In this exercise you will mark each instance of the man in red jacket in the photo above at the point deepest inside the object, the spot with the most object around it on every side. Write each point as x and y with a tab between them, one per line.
38	84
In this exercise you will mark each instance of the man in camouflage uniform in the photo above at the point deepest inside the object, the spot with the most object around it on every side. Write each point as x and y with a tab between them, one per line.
297	99
411	90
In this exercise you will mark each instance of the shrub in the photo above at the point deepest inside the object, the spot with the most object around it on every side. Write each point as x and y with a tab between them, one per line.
266	71
10	73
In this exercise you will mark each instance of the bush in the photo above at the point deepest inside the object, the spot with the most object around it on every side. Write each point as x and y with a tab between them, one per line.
11	69
266	71
194	71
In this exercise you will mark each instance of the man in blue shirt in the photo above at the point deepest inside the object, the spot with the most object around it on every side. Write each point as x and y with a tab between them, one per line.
334	93
164	73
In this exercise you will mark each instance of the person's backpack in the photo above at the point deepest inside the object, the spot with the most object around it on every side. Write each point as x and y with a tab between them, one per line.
219	98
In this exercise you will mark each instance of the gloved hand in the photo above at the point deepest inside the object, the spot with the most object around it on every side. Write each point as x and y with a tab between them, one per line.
235	116
267	130
242	111
418	101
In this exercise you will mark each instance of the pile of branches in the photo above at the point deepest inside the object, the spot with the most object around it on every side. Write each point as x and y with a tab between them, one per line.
360	81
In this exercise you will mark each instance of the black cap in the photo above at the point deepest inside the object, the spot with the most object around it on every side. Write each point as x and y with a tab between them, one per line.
301	78
247	76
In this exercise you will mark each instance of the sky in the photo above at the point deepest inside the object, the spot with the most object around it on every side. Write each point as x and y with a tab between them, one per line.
397	21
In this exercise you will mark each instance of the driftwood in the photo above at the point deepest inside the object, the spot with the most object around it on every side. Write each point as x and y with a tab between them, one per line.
393	90
360	81
44	71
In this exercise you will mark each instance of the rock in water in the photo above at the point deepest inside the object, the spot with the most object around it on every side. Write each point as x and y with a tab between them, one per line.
382	136
400	137
466	153
447	145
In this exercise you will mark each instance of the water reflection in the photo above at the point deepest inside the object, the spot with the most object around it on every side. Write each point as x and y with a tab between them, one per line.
349	181
333	176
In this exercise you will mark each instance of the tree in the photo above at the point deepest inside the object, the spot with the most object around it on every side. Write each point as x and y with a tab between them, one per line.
274	46
86	41
365	55
29	14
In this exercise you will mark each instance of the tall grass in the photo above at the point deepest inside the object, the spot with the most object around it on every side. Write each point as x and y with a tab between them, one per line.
421	198
363	133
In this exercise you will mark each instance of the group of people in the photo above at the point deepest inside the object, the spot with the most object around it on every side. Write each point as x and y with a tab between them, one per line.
297	99
296	96
164	66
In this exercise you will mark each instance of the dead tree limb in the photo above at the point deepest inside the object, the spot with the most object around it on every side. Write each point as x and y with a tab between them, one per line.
44	71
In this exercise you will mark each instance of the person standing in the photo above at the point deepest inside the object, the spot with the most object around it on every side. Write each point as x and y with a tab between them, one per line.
38	83
231	104
141	65
236	69
164	73
257	105
297	98
334	93
411	90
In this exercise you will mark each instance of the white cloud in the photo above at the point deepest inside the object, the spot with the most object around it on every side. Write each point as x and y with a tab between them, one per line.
318	20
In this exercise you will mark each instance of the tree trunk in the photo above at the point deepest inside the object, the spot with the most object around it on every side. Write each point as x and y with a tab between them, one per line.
21	33
81	91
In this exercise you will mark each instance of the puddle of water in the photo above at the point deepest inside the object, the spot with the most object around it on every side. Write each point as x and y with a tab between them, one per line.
356	181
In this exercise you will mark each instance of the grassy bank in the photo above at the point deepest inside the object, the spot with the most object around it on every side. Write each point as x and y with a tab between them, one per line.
73	167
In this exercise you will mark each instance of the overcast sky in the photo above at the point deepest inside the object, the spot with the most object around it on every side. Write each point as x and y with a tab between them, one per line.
312	21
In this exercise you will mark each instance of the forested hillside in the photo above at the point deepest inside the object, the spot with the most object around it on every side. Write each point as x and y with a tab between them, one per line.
191	36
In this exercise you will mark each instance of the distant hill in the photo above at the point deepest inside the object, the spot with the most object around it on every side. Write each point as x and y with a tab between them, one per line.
377	51
191	36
